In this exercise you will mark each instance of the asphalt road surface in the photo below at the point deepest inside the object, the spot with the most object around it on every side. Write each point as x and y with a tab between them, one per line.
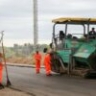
25	79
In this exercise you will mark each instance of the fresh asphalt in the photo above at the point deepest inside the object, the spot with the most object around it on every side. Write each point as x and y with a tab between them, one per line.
25	79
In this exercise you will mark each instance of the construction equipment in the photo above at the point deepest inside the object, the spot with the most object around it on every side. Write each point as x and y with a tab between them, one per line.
74	55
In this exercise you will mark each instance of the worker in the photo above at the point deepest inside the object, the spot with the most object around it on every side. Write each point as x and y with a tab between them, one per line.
1	71
37	57
47	62
92	33
61	35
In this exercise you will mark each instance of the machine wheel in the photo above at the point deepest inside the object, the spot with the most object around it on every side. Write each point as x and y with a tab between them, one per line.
55	63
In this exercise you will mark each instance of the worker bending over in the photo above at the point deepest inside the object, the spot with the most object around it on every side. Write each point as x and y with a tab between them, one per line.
47	62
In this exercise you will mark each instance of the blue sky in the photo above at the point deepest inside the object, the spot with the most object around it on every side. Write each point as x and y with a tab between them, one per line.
16	17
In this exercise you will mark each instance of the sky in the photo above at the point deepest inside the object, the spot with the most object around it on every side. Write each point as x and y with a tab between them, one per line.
16	18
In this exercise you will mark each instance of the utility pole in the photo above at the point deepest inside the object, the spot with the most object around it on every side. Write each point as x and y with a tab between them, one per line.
35	24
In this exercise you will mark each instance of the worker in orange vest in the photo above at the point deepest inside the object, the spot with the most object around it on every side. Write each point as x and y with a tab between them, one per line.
37	57
47	62
1	71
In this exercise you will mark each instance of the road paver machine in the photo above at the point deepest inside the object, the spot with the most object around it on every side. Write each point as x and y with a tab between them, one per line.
74	55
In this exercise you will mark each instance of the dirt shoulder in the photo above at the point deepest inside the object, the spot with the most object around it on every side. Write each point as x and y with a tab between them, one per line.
11	92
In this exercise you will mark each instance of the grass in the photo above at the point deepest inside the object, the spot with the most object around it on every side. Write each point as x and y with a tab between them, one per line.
23	59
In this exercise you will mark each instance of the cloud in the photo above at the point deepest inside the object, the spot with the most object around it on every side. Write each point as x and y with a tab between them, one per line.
16	8
17	27
69	7
16	19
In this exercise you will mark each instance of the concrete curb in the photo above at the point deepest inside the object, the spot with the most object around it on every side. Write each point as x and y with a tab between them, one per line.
22	65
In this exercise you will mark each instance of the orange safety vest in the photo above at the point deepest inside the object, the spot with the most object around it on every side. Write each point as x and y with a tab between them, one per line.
37	57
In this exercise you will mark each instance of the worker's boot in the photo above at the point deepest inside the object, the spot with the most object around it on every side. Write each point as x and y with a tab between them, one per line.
49	74
1	86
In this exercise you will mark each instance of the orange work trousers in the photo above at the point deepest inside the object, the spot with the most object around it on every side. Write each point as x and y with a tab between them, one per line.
1	71
47	68
47	64
37	66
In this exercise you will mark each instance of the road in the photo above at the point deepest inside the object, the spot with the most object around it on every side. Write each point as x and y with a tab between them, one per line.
26	80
